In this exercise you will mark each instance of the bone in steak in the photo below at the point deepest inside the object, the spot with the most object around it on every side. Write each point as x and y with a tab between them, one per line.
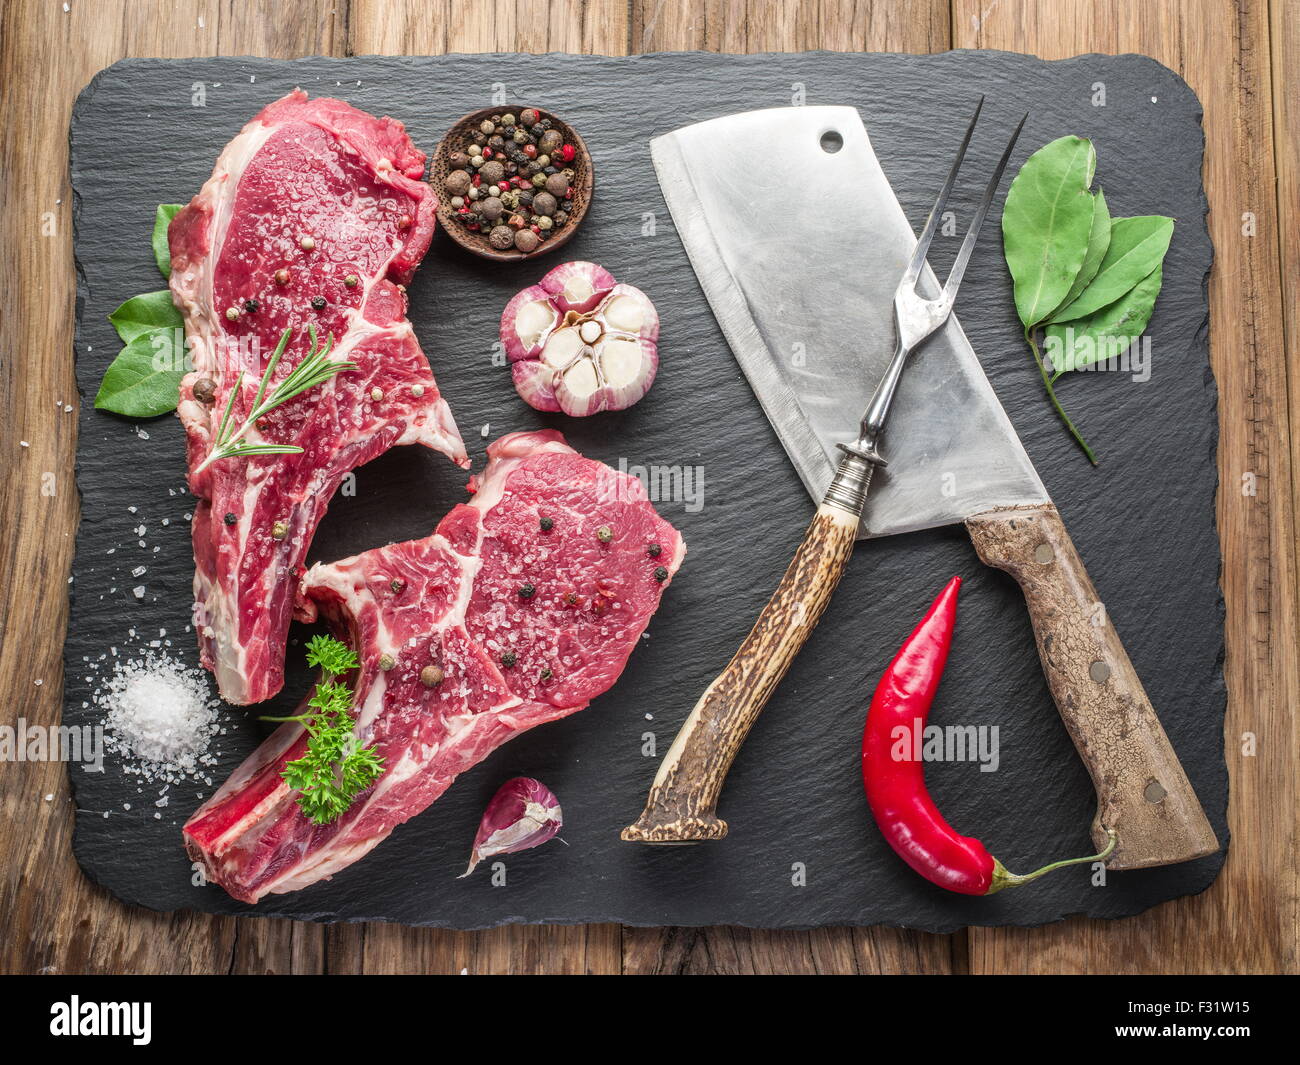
314	215
492	600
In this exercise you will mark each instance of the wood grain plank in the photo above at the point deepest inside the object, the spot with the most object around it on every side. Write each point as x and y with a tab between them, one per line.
416	28
60	921
1284	47
725	26
557	950
421	27
1247	921
789	26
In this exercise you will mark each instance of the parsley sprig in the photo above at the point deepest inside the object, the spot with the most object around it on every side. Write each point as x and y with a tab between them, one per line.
313	370
334	771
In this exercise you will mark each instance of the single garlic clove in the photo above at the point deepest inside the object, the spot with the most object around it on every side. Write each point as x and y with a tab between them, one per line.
529	318
628	366
577	286
590	331
534	381
579	392
628	310
562	347
524	813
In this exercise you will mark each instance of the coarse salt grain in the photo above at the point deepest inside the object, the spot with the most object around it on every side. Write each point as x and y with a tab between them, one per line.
160	715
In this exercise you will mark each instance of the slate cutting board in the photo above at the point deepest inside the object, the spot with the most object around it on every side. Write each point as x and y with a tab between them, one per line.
802	849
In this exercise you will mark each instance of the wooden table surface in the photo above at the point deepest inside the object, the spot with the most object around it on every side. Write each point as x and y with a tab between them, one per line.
1236	55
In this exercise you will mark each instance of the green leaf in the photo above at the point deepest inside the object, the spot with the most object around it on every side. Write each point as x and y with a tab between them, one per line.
333	771
146	314
144	380
1098	242
161	251
1137	247
331	655
1046	225
1107	332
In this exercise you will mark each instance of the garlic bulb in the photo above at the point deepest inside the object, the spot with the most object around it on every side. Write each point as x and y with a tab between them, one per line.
580	342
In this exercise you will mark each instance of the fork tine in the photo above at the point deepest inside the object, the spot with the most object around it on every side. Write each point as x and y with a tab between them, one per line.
972	234
913	270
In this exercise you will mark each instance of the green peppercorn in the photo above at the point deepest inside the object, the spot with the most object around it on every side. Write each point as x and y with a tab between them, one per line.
509	659
546	674
547	524
604	534
654	550
351	280
661	574
527	591
397	585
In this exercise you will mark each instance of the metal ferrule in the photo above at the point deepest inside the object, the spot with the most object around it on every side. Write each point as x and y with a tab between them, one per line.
848	490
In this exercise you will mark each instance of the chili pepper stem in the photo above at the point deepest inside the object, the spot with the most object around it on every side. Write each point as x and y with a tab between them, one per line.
1002	878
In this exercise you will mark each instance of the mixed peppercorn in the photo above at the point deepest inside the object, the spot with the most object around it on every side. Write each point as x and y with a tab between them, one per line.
512	180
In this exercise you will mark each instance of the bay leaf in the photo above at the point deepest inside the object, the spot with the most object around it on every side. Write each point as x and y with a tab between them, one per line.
1098	242
1107	332
161	251
143	314
1046	224
1137	246
144	380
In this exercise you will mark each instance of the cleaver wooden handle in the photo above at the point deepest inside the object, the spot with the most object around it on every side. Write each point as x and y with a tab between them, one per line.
1142	791
683	802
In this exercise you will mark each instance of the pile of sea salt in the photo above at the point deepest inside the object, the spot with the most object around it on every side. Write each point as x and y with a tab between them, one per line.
161	717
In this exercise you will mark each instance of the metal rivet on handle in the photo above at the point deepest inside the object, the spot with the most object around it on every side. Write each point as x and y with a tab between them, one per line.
1099	671
1154	791
1043	554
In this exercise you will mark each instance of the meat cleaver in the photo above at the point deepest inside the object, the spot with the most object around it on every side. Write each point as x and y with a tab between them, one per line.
804	297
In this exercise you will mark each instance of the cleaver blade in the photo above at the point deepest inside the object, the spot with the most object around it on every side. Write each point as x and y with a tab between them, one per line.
805	298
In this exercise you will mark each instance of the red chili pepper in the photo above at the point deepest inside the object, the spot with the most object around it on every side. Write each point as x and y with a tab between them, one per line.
895	779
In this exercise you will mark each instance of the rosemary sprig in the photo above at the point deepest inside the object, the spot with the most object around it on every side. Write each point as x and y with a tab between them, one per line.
313	370
334	770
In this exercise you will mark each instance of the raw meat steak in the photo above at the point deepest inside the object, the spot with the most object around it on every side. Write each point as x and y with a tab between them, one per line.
453	600
314	215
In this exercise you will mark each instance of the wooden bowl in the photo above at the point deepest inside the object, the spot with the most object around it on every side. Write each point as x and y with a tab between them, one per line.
583	186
